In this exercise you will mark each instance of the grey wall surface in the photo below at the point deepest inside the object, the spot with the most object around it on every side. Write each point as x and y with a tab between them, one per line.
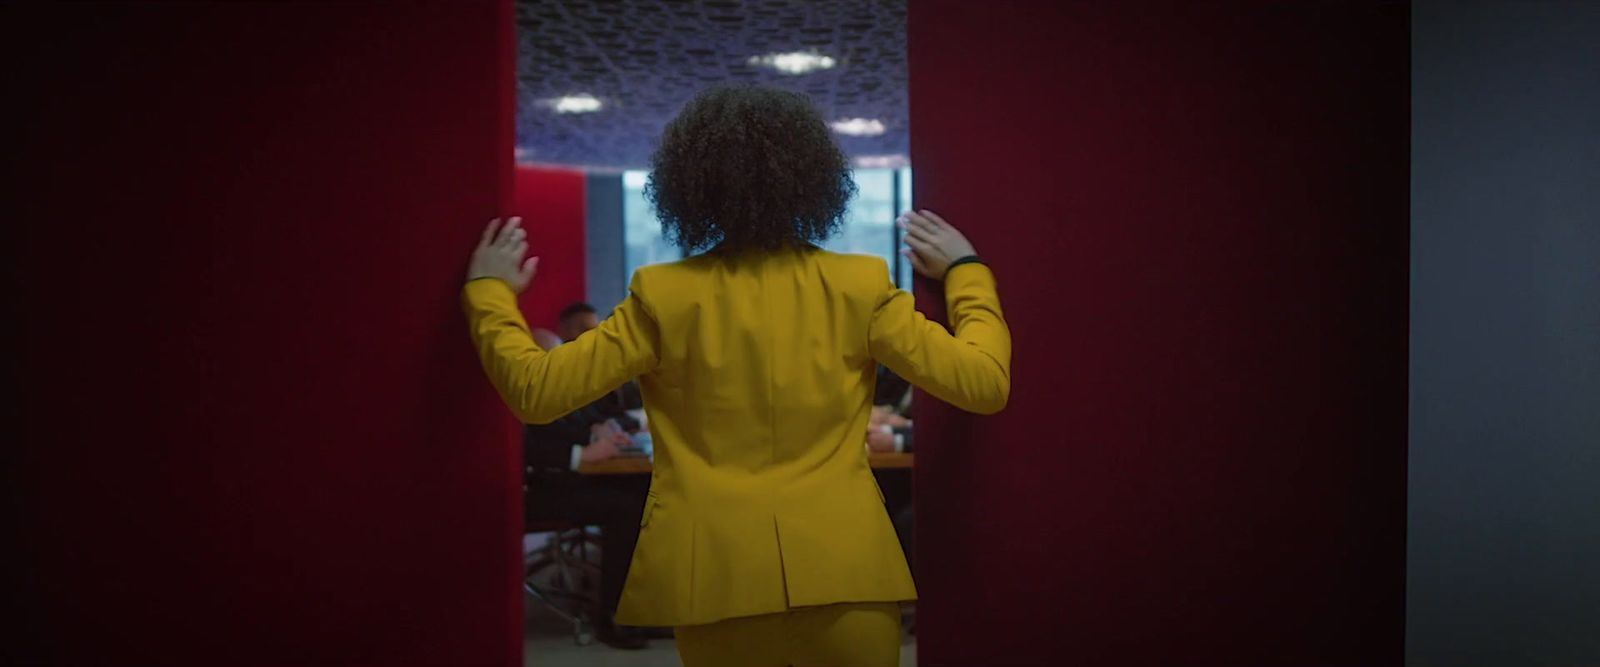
603	237
1504	507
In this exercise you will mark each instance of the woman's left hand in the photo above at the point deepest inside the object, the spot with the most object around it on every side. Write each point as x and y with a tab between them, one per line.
499	255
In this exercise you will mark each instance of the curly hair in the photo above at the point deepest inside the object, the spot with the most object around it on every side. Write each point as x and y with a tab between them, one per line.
748	168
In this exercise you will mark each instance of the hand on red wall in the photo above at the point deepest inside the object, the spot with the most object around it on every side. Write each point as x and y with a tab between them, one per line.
935	244
500	255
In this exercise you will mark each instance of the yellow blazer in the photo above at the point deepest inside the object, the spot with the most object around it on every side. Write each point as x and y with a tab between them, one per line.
757	373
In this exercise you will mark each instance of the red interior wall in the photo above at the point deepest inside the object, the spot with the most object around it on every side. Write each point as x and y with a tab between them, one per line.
551	203
1198	216
253	430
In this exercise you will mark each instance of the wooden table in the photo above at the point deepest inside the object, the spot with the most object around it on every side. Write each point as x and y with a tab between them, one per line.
639	465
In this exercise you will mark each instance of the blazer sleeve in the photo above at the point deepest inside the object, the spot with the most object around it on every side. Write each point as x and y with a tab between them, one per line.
541	386
970	369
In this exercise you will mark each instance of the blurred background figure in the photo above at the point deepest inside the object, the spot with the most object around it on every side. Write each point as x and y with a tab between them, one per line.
575	320
552	456
889	430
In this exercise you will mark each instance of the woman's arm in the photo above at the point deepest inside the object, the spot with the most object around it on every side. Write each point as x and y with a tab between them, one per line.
970	369
541	386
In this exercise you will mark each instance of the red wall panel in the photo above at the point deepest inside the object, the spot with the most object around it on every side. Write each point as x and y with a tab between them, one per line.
551	203
1198	216
253	430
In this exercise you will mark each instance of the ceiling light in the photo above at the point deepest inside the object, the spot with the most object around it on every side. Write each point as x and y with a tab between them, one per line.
858	127
794	62
581	103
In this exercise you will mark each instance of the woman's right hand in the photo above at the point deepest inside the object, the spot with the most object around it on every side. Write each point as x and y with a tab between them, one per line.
934	243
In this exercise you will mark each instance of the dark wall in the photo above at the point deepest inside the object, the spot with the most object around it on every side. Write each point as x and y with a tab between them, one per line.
603	236
250	429
1197	214
1504	554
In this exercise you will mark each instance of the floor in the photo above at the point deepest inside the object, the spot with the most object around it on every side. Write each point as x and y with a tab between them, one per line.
549	643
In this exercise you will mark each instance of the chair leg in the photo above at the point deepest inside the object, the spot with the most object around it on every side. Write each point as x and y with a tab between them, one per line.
582	634
556	554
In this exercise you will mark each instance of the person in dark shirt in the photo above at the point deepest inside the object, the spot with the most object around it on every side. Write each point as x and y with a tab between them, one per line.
553	453
890	430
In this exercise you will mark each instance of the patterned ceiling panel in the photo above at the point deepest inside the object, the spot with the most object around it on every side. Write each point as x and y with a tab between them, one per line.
644	58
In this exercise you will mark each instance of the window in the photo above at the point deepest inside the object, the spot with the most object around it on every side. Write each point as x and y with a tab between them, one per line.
868	222
641	232
903	203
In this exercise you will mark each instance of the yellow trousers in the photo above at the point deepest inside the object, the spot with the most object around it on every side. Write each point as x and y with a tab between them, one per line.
856	634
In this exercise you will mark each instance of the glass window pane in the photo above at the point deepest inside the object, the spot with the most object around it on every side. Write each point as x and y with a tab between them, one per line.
869	221
904	279
641	229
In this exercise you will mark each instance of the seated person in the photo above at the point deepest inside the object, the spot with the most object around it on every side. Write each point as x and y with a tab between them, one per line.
575	320
892	391
552	454
889	430
571	323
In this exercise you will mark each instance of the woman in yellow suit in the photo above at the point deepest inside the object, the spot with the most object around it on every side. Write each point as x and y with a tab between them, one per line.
764	540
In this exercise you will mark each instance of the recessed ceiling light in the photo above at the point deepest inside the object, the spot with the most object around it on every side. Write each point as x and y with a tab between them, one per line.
580	103
794	62
858	127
